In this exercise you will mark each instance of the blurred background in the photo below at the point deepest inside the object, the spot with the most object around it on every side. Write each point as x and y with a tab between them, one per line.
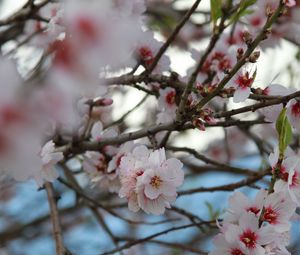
25	227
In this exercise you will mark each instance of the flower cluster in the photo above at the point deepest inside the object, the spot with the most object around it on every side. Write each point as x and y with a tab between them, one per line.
149	180
262	226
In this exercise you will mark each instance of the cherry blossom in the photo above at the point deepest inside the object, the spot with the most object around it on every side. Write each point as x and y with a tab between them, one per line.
240	203
278	210
293	114
49	159
249	235
288	172
242	84
149	181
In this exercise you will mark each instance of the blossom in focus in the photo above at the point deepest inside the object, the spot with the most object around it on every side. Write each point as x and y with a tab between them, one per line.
149	180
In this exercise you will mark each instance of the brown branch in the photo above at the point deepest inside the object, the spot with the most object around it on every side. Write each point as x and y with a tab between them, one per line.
212	162
57	233
261	36
254	107
142	240
213	41
26	12
172	245
227	187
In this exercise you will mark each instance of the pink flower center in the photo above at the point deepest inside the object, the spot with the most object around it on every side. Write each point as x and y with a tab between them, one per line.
249	238
270	215
253	209
146	55
296	109
244	81
101	166
236	251
156	181
284	175
118	161
224	64
170	97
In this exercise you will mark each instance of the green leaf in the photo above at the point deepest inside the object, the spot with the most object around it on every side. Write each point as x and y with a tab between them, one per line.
213	214
284	130
242	10
215	10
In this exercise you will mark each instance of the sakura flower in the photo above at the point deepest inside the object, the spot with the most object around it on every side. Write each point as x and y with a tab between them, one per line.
149	181
95	165
239	204
271	112
249	235
288	172
49	158
167	105
225	248
97	134
146	50
242	84
115	162
167	100
130	168
278	210
278	246
293	114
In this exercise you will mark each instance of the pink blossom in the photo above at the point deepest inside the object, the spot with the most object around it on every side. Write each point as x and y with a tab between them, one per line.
271	112
149	181
223	247
293	114
288	172
95	165
49	159
242	84
278	210
239	204
249	235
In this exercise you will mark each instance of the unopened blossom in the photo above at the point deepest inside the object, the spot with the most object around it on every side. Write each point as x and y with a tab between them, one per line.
149	180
